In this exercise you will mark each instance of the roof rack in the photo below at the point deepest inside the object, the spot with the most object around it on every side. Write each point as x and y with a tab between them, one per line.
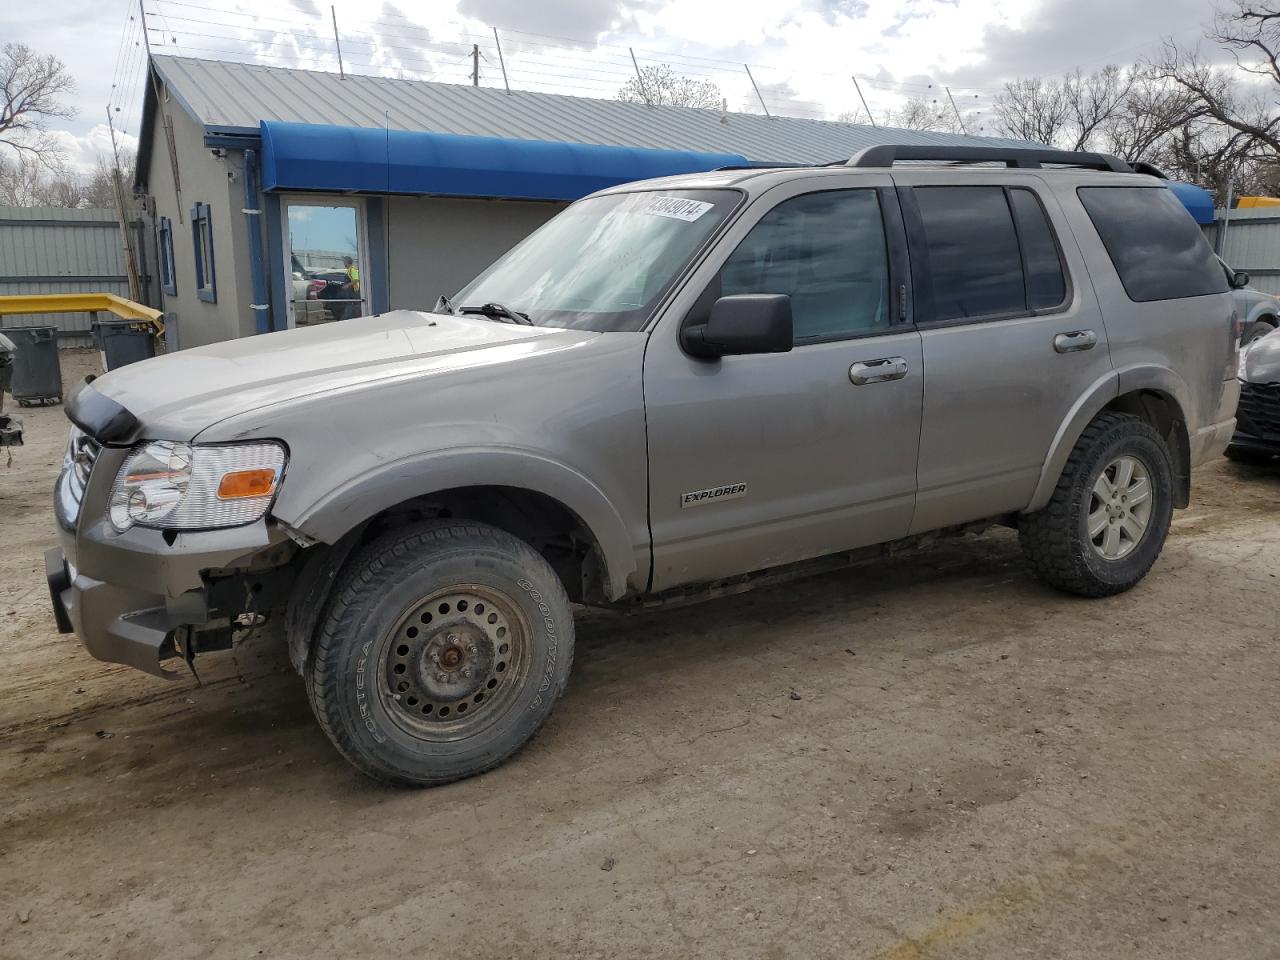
1025	158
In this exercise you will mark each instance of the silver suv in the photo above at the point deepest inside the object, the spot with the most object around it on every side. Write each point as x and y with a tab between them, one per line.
671	385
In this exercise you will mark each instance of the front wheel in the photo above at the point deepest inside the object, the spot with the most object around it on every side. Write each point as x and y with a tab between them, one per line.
442	651
1109	514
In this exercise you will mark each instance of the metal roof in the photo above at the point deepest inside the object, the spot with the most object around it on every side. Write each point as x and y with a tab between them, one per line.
235	97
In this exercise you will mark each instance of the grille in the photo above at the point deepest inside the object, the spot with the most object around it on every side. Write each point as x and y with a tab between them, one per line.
82	453
1259	410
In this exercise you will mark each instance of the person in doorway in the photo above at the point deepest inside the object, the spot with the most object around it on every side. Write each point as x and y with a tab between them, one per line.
351	289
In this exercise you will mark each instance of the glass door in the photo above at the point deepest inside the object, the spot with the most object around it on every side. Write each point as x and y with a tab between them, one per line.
325	244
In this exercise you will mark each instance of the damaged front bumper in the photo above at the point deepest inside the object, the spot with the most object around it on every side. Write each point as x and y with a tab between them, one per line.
118	624
143	596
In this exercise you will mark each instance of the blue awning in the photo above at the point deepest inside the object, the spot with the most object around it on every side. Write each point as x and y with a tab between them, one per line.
1197	200
303	156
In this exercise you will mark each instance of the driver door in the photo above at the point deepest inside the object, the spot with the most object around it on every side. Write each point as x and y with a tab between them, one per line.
757	461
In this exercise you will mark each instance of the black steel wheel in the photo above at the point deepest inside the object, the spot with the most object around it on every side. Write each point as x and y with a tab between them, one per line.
441	652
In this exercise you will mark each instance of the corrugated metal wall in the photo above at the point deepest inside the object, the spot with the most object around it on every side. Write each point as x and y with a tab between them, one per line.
56	250
1251	242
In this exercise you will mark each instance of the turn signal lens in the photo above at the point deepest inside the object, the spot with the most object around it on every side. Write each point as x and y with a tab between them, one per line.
246	483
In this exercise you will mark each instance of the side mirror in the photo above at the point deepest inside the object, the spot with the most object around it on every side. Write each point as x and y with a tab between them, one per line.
1239	280
746	323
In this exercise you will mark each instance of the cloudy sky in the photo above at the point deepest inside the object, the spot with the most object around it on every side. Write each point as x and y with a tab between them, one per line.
801	52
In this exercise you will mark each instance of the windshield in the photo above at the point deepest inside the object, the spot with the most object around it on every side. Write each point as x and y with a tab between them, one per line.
603	262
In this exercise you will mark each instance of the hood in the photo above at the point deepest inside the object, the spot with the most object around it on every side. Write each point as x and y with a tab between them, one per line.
180	394
1262	363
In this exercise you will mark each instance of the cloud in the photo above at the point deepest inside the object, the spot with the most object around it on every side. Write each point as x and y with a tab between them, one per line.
81	151
1061	35
585	19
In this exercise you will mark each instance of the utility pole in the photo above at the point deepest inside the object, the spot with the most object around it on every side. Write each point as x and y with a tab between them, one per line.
857	86
122	216
475	64
640	79
501	62
342	73
146	34
757	90
959	119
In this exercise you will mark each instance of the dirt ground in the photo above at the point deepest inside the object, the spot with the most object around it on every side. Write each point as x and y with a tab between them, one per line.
932	757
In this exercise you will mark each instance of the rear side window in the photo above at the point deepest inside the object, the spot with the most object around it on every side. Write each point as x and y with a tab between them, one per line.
1157	249
1046	283
974	261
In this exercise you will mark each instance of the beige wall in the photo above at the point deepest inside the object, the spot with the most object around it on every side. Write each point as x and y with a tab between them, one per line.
438	246
215	181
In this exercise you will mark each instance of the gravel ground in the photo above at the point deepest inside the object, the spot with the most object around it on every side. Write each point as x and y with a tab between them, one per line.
931	757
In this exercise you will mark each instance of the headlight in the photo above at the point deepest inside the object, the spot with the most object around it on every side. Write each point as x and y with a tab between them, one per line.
183	486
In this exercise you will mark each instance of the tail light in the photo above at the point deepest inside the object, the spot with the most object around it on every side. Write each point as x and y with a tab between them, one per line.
314	287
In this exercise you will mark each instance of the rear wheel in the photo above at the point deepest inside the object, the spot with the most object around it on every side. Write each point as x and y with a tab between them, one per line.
1110	512
443	650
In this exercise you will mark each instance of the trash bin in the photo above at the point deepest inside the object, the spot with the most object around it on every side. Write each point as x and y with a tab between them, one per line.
6	366
37	372
123	341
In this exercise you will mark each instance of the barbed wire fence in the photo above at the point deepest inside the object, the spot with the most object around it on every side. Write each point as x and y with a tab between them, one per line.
394	45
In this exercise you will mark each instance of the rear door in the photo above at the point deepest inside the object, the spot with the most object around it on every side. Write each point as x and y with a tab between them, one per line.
1011	335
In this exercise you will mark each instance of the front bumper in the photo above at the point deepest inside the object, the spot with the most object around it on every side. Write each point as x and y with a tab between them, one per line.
119	624
1258	417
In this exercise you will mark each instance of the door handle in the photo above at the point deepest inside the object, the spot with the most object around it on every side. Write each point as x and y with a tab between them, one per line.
878	371
1075	341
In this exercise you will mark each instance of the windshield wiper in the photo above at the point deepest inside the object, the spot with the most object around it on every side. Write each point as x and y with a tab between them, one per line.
496	311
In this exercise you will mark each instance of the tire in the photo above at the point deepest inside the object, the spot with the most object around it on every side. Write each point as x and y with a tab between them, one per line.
1256	330
1056	540
1249	455
441	651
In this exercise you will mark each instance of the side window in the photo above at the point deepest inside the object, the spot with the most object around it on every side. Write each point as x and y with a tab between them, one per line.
827	252
164	243
1157	249
1046	281
974	261
202	236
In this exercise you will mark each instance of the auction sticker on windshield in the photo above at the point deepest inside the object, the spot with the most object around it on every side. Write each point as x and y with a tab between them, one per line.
677	208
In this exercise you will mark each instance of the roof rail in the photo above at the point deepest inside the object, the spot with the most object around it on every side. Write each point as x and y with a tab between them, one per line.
1026	158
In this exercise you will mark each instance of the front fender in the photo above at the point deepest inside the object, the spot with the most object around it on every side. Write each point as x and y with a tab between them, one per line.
367	494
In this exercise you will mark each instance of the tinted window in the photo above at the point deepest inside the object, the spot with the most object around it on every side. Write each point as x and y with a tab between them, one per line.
1046	283
827	252
1157	249
973	252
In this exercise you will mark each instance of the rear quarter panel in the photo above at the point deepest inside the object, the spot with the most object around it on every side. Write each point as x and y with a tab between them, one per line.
1182	347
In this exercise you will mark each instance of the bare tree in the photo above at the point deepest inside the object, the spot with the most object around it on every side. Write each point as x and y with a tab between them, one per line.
921	113
29	181
1251	32
1152	111
31	90
1094	99
661	86
1032	109
1069	112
